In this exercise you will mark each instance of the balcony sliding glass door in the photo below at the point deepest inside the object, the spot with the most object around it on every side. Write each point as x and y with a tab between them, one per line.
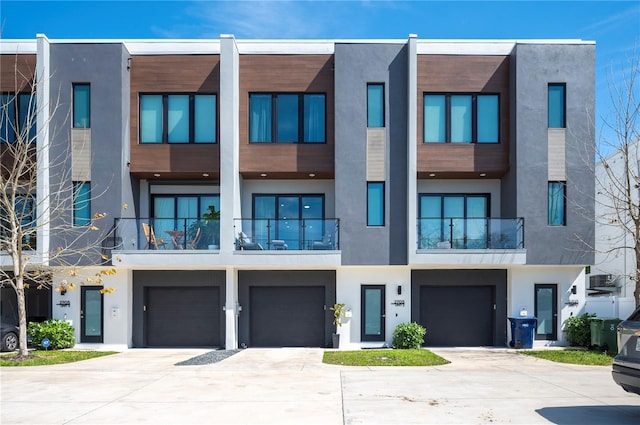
293	219
456	221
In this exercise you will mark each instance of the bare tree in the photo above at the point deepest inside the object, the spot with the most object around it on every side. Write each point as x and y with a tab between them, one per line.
36	205
618	171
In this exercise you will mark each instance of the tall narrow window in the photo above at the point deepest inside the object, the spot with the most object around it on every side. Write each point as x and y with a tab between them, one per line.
461	119
435	118
81	106
205	118
151	119
178	118
557	204
375	203
375	105
487	127
557	109
81	203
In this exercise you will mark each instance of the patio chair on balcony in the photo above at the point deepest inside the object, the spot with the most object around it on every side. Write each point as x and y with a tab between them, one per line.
193	243
325	243
244	243
151	237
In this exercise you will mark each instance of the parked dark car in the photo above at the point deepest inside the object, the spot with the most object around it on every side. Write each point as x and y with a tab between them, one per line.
9	335
626	365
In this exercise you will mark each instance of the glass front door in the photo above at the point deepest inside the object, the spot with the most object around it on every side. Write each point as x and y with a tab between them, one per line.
546	310
373	313
91	314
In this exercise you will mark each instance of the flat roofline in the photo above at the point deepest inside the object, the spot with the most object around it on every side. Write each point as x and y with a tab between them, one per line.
289	46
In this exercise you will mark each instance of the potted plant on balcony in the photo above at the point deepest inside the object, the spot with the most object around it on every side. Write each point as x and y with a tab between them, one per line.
209	227
338	313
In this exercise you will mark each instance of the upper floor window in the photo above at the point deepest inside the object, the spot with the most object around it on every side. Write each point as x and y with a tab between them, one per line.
557	108
178	118
461	118
81	203
375	105
81	106
287	118
557	205
375	203
17	117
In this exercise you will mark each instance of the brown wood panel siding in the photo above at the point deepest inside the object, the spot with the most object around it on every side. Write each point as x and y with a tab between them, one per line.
174	74
286	73
464	74
16	72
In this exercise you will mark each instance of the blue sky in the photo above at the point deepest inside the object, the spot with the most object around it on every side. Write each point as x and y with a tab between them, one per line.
613	25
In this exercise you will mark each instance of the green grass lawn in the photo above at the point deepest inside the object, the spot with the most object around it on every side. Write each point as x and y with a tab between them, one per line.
41	357
383	357
580	357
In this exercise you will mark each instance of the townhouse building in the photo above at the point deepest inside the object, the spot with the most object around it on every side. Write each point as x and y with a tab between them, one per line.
252	184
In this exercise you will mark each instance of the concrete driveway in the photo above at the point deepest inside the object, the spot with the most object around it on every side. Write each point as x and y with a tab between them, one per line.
277	386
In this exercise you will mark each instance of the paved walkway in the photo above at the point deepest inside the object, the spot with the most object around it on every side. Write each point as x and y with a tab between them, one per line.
292	386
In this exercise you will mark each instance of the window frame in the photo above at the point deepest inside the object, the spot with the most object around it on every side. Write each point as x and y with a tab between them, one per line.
563	222
77	190
382	106
74	86
564	104
274	117
474	117
18	120
370	186
165	118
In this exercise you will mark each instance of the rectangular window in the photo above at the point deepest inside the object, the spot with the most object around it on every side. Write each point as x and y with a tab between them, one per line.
375	203
178	118
81	106
557	204
557	108
17	114
375	105
286	118
81	203
461	118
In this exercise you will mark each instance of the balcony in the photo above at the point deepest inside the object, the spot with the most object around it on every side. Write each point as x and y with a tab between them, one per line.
307	234
467	242
167	234
470	233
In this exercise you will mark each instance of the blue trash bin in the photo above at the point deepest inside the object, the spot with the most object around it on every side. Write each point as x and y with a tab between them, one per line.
522	331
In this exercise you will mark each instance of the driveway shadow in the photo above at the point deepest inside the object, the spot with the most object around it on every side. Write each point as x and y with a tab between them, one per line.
583	415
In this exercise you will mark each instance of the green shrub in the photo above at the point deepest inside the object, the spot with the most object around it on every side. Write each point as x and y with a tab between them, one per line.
408	335
578	330
58	332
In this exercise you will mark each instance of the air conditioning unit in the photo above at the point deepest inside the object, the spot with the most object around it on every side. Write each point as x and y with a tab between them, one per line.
601	281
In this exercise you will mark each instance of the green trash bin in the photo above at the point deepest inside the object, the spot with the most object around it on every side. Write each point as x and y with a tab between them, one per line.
604	333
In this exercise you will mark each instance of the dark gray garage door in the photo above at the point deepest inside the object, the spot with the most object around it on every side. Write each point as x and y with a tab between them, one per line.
457	316
284	316
182	317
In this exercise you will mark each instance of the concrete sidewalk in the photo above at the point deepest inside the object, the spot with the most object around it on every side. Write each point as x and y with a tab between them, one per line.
290	385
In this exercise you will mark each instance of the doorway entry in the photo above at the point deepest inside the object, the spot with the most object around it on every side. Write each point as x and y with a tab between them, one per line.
91	314
373	313
546	310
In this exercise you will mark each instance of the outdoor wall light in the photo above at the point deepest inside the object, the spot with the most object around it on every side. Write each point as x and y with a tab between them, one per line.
399	289
574	290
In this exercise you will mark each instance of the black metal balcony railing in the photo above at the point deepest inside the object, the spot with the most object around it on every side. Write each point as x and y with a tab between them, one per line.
167	233
287	234
470	233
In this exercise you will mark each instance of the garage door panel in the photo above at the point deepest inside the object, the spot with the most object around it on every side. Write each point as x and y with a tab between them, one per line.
287	316
457	316
183	317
